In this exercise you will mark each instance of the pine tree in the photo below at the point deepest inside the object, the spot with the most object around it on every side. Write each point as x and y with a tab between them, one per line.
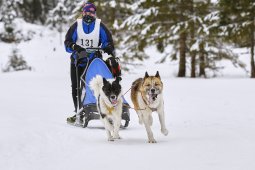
16	62
237	19
159	23
8	15
32	11
191	27
142	27
121	11
199	21
58	17
74	9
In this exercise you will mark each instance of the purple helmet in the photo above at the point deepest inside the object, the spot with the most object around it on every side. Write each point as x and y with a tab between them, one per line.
89	7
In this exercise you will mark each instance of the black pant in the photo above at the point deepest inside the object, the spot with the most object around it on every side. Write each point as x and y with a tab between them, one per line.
74	83
74	79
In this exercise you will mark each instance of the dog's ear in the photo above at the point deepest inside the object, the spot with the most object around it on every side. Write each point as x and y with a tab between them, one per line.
157	75
105	81
146	75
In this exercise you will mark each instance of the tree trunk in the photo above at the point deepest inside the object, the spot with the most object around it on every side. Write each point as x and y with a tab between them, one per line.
252	50
193	64
201	60
182	62
193	53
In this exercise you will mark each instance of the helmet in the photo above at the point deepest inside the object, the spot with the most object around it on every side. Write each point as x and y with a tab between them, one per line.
89	7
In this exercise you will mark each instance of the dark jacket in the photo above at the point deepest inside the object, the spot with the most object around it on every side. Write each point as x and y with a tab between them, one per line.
105	37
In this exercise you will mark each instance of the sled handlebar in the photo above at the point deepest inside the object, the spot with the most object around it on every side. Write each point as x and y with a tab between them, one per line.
90	50
83	54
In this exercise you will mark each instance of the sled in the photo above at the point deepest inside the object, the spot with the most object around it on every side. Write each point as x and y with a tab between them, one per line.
88	109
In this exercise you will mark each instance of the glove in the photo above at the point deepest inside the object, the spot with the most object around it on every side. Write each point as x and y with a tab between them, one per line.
113	61
81	52
77	48
109	50
114	66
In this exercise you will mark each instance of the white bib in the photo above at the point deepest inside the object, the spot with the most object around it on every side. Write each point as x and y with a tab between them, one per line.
90	40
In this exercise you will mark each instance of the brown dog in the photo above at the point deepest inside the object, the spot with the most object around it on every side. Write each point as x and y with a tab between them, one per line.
146	95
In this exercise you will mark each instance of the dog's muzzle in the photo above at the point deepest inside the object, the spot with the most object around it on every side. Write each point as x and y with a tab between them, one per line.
113	100
153	94
153	97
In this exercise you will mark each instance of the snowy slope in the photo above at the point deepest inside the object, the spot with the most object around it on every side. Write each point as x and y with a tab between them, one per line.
211	121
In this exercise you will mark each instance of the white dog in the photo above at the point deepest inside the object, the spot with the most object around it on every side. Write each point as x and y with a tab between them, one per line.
109	104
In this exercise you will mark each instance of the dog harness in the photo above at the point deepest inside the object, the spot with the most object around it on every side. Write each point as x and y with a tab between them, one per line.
109	109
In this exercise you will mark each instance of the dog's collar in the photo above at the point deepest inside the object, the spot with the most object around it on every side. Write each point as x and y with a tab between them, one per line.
153	109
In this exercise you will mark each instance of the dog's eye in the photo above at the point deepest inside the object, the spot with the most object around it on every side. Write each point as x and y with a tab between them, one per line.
147	85
157	84
106	89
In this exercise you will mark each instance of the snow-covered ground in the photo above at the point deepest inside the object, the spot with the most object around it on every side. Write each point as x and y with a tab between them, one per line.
211	122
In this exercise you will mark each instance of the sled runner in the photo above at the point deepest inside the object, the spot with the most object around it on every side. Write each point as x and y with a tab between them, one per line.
87	102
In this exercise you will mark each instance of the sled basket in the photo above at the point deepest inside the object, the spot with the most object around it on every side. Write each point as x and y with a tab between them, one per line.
98	67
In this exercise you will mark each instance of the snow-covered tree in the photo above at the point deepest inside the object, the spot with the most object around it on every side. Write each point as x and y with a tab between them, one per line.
189	26
122	10
74	9
237	19
150	24
58	17
113	13
203	44
9	13
32	11
134	28
16	62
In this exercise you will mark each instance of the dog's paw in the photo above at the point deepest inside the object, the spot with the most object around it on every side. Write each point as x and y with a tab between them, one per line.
152	141
164	132
116	137
111	139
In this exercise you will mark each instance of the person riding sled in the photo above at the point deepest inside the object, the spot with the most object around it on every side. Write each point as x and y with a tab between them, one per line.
88	32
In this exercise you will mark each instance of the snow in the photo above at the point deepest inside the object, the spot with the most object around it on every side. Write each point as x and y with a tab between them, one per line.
211	122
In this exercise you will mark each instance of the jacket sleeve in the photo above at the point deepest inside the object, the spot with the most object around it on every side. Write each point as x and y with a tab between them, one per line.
71	37
105	37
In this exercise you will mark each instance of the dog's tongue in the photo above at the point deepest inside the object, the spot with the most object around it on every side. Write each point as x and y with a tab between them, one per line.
114	102
152	98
